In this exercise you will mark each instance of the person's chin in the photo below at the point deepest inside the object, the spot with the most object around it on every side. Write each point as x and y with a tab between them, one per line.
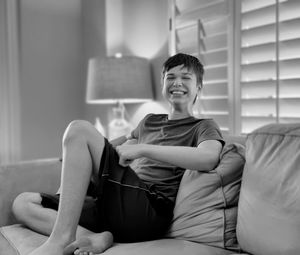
181	98
178	101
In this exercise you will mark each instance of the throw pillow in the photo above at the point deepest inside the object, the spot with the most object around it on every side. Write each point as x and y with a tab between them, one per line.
206	204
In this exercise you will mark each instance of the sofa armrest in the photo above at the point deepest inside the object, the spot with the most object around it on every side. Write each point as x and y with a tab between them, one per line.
41	175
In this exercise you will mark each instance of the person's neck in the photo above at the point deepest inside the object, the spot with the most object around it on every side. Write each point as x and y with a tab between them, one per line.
176	115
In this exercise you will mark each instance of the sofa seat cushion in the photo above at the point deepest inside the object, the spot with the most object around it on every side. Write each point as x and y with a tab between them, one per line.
206	204
18	240
6	246
269	206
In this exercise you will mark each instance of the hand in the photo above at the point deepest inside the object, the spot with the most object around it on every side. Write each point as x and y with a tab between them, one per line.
128	153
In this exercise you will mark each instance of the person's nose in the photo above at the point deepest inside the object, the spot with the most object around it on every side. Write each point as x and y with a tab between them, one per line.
178	82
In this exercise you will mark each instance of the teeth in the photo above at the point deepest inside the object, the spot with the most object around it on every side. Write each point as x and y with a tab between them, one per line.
177	92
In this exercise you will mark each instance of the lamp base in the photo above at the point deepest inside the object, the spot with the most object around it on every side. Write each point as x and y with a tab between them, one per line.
98	125
119	126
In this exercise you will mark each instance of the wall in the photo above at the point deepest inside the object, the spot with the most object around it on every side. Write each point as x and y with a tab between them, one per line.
51	73
57	39
147	31
9	83
94	45
138	28
146	26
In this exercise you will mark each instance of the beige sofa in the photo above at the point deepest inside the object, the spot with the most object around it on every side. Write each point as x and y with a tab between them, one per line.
213	210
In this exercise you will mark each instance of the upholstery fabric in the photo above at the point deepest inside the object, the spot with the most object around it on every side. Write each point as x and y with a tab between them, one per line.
23	241
36	175
206	205
269	206
6	247
18	240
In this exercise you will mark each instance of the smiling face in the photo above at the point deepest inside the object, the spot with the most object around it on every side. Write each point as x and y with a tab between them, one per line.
180	88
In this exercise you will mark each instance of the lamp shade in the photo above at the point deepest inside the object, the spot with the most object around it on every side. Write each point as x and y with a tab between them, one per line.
125	80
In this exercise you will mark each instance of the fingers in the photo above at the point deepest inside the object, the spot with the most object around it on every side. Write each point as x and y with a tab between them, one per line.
124	162
118	149
124	159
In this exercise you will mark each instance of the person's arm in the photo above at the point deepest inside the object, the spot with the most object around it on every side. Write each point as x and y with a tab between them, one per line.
118	141
123	140
205	157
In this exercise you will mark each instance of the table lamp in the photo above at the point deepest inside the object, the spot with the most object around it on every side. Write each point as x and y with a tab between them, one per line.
118	80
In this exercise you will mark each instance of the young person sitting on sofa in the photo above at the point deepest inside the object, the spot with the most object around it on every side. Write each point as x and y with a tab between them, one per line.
133	203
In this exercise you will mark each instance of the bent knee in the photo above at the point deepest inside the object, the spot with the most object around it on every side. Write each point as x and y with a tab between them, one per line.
23	203
79	125
80	129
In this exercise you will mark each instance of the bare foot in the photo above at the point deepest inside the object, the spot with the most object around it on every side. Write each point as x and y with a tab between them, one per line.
91	244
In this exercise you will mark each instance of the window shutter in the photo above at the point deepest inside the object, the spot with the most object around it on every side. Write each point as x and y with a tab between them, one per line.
201	28
251	53
270	62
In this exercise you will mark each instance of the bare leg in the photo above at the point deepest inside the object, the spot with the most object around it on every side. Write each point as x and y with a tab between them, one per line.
82	150
28	210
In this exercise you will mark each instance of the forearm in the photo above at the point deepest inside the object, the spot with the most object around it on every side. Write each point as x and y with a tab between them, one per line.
118	141
123	140
186	157
205	157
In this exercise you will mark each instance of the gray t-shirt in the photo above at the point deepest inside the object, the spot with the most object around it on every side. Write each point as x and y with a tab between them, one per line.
157	129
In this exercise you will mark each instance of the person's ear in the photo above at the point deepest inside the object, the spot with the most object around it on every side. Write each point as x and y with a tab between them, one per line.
162	80
199	86
197	94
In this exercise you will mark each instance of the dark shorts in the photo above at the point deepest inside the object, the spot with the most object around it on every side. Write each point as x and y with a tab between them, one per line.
123	204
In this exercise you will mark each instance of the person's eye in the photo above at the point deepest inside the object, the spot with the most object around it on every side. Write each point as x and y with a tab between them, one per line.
170	78
186	78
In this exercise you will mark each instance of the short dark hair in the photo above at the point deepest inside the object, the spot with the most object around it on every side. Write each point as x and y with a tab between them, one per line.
188	61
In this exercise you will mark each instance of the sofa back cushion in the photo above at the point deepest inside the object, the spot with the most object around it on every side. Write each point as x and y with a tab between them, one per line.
41	175
269	206
206	203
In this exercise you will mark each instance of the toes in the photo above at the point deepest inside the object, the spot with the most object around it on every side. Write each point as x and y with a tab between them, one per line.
84	253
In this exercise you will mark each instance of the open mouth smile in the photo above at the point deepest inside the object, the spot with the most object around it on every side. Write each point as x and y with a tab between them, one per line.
178	92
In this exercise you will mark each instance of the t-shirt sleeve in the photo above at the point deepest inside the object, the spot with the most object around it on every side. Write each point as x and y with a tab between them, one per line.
135	134
209	130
